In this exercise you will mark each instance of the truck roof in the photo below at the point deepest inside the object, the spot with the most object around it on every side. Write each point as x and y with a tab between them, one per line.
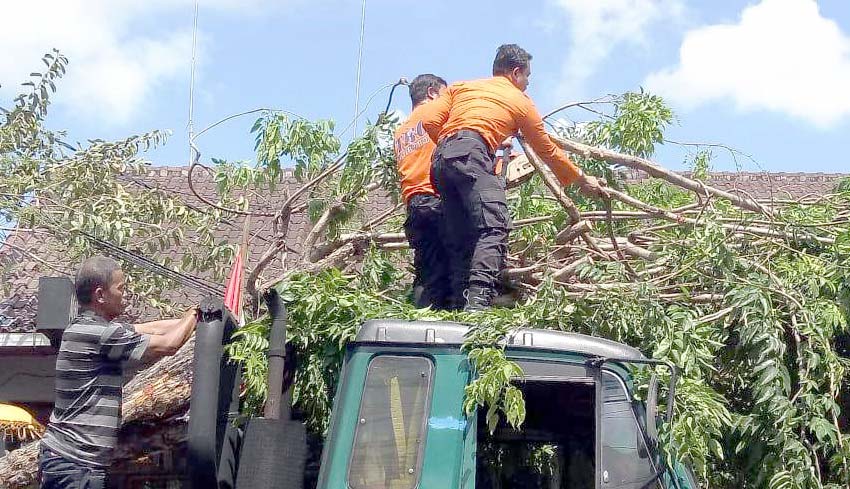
438	333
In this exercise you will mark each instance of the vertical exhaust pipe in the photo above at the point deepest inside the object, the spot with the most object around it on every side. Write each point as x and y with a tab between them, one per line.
274	451
212	387
277	354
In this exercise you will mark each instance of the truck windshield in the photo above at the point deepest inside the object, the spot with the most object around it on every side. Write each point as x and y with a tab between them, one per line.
390	432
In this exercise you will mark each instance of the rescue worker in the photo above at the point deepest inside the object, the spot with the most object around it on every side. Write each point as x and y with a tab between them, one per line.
468	123
77	448
413	150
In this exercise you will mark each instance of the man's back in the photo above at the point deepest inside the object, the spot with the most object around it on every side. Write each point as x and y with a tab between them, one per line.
89	374
491	106
413	149
495	109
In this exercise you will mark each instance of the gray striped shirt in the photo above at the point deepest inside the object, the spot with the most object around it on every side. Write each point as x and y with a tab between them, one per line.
89	372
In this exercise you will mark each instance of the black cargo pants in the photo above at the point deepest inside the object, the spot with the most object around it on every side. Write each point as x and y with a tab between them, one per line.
423	229
475	211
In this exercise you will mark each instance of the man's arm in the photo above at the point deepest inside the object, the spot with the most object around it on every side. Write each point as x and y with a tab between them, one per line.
564	169
156	327
167	336
435	114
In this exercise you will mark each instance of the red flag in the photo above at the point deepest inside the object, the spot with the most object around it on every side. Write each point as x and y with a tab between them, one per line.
233	292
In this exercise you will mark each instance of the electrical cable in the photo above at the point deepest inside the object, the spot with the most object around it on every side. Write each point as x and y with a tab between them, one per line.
191	126
145	263
365	107
148	186
401	81
359	66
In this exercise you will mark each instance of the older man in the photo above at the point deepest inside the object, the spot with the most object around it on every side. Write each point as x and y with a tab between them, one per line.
77	448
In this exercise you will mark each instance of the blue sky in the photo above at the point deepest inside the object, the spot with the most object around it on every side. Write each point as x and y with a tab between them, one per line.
768	77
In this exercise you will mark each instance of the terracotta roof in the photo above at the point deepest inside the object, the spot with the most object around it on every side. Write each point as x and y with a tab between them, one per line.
20	271
25	256
762	185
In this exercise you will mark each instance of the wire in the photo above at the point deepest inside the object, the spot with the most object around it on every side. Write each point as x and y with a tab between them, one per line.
359	66
141	261
191	127
145	263
401	81
368	103
247	112
188	205
186	280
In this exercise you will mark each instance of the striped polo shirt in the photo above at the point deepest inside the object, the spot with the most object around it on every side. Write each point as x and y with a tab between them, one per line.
89	373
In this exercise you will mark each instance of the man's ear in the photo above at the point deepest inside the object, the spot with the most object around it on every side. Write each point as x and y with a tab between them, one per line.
516	72
98	296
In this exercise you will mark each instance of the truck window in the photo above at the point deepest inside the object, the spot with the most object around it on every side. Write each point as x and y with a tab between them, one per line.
553	448
389	437
625	464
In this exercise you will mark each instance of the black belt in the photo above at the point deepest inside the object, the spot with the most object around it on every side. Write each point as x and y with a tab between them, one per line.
468	134
418	197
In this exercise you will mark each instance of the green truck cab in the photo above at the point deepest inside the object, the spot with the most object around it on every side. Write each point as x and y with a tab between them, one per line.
398	420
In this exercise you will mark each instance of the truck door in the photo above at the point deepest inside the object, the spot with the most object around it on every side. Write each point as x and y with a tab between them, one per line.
625	461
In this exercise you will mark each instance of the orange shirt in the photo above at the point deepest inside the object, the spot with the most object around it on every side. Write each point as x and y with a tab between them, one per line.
413	150
495	109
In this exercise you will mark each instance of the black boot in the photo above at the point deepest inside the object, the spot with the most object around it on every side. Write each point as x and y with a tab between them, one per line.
477	298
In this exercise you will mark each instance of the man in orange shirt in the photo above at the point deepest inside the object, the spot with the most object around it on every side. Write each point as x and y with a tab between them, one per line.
413	150
469	122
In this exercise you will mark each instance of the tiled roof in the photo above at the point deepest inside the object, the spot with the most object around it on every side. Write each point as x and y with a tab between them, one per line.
763	185
26	256
20	271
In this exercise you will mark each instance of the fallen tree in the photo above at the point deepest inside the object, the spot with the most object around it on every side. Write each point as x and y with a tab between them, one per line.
748	297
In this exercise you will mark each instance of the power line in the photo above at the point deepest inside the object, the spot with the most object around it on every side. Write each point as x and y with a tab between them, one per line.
359	66
145	263
191	126
141	261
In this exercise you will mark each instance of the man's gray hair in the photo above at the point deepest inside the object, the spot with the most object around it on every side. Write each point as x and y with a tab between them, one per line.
95	272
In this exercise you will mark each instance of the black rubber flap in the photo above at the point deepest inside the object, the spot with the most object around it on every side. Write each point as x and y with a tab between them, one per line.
273	455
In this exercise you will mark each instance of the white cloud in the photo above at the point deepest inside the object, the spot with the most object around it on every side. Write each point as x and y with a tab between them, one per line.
598	26
114	69
781	56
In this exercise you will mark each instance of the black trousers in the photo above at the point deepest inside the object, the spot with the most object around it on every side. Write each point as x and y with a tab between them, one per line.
423	229
475	211
58	472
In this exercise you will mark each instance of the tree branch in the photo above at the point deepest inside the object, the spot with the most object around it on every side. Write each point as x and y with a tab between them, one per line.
656	171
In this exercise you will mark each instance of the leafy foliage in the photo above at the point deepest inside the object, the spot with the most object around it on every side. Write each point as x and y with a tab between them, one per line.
758	325
753	323
68	192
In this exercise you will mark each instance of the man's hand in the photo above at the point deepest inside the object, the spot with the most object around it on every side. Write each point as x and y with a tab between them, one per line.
192	312
507	147
592	187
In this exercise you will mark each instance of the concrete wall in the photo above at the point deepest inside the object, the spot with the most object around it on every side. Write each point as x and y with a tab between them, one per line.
27	378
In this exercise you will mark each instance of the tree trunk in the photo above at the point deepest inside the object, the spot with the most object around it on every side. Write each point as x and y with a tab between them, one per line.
154	394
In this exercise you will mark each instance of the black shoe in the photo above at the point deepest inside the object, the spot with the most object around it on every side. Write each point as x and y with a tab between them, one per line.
477	298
